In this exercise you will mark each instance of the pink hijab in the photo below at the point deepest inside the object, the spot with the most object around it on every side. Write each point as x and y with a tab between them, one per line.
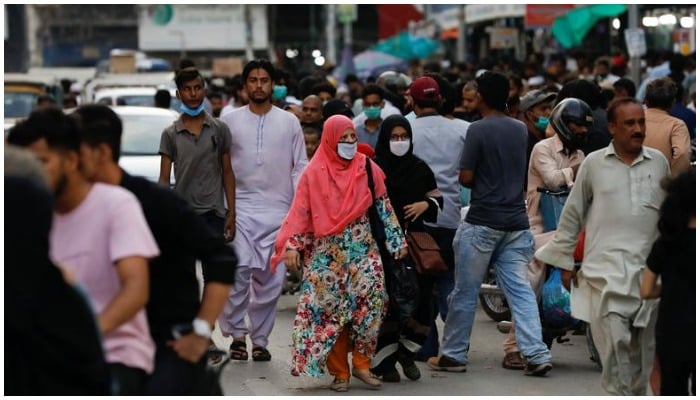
332	192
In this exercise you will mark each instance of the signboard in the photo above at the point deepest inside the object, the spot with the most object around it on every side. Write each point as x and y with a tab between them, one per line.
346	13
684	41
503	38
542	15
448	16
636	42
228	67
177	27
484	12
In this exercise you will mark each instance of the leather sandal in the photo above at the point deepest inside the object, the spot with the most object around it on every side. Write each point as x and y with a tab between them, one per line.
261	354
367	377
513	361
340	385
238	351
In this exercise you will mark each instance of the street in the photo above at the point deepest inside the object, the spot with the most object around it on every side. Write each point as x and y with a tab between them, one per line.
573	374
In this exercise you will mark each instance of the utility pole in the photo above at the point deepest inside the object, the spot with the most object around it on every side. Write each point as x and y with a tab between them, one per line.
635	62
347	34
248	33
331	51
461	38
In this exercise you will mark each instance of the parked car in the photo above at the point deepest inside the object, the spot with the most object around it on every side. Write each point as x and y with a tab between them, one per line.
142	128
133	96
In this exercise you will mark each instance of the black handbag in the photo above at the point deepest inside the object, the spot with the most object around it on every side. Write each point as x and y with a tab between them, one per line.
402	286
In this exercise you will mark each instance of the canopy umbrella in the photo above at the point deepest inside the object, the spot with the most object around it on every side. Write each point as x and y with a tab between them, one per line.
570	29
372	62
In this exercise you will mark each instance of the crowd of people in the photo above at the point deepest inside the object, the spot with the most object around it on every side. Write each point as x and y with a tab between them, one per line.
324	179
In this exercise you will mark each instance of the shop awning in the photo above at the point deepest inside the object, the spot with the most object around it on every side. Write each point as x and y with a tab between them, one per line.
407	46
570	28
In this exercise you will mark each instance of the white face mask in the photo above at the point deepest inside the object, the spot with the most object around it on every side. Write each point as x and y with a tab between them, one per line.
399	148
347	150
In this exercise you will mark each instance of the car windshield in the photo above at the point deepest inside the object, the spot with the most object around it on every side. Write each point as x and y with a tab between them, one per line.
18	105
142	133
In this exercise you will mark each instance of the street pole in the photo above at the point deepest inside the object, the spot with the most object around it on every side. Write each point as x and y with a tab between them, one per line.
461	38
330	34
635	62
248	33
347	34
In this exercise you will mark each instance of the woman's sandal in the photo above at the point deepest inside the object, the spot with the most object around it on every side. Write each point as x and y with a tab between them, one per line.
238	351
340	385
261	354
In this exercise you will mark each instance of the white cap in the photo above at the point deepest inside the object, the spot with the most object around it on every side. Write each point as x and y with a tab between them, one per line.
537	80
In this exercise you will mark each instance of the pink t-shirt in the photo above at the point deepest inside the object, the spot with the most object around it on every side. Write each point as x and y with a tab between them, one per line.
107	226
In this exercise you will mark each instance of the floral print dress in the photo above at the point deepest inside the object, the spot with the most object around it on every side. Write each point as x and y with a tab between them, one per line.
342	284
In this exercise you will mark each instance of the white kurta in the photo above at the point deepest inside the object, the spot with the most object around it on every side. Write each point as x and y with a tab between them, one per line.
267	155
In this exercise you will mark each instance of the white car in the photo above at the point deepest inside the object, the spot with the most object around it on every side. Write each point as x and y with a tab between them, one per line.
142	128
132	96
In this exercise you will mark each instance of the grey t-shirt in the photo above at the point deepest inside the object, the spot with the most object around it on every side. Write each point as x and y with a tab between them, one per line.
495	150
365	136
197	163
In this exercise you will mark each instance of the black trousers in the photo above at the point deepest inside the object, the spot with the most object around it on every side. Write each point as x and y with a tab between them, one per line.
129	381
174	376
675	375
215	224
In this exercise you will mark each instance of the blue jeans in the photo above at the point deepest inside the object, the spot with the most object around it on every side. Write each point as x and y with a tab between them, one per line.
476	247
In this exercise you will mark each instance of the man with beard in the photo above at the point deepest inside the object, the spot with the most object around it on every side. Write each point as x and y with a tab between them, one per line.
183	237
101	238
268	154
616	197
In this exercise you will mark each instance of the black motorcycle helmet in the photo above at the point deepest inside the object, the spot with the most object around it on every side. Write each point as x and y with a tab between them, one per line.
571	110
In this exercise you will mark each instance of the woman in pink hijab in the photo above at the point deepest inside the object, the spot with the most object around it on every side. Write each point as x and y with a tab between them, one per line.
327	228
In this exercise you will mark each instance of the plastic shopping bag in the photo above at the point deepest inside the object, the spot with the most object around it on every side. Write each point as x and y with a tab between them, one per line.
556	302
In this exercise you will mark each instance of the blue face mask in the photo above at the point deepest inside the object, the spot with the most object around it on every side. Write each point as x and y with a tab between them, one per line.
373	112
192	112
542	123
279	92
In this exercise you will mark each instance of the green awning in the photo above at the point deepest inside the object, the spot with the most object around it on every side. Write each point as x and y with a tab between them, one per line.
407	46
570	29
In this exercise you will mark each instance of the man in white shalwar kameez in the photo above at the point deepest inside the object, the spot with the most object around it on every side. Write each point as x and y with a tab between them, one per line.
616	196
268	155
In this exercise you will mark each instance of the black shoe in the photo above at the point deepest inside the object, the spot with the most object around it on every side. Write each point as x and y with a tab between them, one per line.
391	376
409	366
538	369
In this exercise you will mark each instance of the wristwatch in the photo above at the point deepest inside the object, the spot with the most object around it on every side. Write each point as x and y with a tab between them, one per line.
201	328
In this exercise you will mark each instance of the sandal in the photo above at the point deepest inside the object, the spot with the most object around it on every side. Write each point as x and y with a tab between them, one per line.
513	361
238	351
340	385
367	377
261	354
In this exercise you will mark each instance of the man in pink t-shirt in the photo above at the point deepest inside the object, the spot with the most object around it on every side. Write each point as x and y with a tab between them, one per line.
101	239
